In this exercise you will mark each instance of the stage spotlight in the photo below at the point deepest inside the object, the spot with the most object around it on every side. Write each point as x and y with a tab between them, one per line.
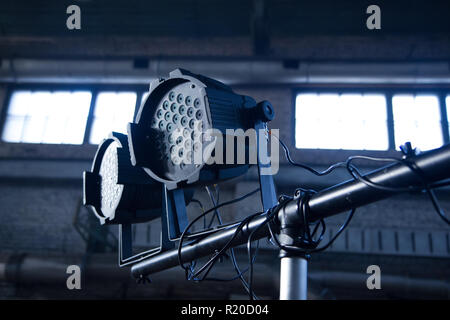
116	191
174	135
120	193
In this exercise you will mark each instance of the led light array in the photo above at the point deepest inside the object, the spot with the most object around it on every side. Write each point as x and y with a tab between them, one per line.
180	118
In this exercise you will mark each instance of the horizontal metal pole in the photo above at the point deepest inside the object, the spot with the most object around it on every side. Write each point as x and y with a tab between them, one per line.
434	164
202	248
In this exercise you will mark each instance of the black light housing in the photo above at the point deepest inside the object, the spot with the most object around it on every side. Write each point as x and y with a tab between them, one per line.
120	193
171	128
116	191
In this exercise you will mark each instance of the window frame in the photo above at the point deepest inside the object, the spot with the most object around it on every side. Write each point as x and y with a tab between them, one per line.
389	91
85	151
16	149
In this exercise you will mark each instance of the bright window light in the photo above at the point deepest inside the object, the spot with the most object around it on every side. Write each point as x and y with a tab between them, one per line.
341	121
47	117
417	119
113	111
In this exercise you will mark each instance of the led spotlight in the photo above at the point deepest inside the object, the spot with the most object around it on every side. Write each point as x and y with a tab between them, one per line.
173	137
118	192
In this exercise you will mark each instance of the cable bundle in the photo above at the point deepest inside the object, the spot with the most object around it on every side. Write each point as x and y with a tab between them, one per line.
307	242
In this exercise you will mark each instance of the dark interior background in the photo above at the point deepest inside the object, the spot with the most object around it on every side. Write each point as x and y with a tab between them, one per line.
266	49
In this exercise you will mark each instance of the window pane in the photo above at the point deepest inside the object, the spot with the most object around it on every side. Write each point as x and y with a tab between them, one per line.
47	117
113	111
78	109
33	130
13	129
19	103
417	119
341	121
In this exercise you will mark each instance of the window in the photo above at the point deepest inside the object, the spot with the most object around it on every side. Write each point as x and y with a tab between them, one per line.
112	112
341	121
417	119
385	120
67	116
47	116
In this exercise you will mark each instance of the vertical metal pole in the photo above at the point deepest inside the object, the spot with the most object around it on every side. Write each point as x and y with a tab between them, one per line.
293	278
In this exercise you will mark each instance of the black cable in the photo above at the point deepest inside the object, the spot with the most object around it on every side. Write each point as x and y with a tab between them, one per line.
358	176
252	261
207	266
436	206
307	242
354	172
341	229
303	251
306	167
214	201
270	215
440	184
413	167
198	202
184	233
239	272
216	212
307	238
306	251
228	244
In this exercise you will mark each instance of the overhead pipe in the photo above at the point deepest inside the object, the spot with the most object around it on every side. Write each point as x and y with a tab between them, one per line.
231	71
32	269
